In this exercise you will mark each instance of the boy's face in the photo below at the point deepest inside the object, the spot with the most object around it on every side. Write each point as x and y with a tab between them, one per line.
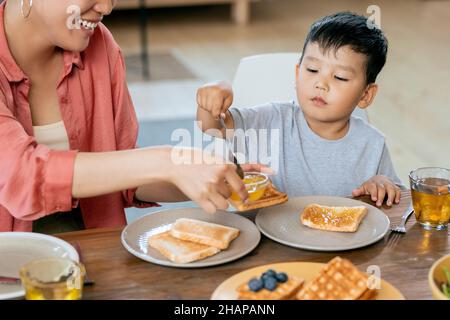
330	85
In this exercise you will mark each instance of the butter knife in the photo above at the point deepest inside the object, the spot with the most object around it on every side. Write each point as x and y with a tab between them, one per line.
239	170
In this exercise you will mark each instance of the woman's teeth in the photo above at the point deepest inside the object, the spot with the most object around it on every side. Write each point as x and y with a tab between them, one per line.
88	24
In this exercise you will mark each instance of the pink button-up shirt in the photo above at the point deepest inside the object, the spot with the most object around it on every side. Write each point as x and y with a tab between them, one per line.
98	114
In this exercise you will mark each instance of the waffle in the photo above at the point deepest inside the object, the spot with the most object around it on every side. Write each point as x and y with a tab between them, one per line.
338	280
341	219
284	291
271	197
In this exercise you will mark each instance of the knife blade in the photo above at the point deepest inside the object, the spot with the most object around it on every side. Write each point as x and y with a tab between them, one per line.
239	170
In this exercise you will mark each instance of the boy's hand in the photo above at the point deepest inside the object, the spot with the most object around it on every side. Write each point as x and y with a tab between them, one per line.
377	187
215	97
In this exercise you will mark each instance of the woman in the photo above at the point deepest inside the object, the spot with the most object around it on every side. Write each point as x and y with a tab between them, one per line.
68	128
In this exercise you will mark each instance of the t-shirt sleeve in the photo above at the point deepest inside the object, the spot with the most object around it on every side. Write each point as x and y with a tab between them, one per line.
258	117
250	124
386	168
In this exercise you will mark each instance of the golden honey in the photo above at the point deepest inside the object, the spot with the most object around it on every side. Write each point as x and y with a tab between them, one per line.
326	215
62	292
255	184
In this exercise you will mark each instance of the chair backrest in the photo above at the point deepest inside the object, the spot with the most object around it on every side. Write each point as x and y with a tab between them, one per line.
269	77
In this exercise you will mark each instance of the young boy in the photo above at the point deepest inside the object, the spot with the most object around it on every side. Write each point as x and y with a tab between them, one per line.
323	149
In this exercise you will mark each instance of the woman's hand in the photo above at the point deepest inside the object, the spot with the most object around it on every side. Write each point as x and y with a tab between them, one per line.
378	187
205	179
165	190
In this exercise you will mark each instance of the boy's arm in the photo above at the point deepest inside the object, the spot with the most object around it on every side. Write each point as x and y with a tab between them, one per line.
213	100
206	122
384	185
386	168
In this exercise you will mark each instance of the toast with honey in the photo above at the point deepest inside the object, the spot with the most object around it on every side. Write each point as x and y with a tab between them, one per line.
206	233
338	280
340	219
180	251
270	198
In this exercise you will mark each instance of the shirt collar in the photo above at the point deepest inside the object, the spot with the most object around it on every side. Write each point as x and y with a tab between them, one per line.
73	58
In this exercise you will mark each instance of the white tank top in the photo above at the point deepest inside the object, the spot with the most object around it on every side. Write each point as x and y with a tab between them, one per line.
53	135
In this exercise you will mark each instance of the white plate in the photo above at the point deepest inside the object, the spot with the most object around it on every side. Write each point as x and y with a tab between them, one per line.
282	224
18	248
306	270
135	236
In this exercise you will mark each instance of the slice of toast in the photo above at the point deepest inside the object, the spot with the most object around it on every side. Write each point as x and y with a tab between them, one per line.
180	251
270	198
210	234
284	291
341	219
338	280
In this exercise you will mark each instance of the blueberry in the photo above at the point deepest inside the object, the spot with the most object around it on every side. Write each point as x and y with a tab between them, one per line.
255	284
281	277
270	273
268	276
270	283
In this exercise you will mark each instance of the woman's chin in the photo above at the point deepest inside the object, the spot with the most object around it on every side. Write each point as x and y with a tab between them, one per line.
76	46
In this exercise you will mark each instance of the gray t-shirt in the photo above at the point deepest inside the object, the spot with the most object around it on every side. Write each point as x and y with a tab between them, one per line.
307	164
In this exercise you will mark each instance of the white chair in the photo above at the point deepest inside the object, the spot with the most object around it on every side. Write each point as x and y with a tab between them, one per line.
269	77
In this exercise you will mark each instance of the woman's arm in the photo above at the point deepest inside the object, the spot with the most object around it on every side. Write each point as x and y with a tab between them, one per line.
106	172
92	174
203	178
160	192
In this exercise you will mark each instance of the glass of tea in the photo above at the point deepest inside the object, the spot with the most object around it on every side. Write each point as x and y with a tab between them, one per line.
53	279
430	191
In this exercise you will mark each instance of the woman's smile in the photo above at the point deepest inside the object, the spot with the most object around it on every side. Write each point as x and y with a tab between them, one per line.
88	24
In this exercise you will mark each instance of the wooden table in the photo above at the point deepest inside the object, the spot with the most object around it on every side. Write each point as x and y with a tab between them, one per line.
120	275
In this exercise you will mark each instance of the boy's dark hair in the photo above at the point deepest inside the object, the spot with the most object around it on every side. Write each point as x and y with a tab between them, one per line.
347	28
